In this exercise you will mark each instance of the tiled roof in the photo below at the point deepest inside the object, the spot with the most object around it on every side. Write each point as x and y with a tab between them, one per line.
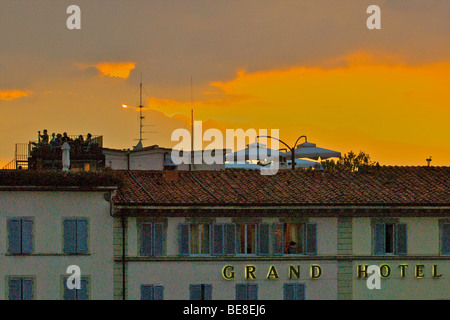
386	185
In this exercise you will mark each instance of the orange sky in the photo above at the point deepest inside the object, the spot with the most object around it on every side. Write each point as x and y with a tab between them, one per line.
397	113
303	67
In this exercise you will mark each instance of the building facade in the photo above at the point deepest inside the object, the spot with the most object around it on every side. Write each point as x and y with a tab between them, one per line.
229	234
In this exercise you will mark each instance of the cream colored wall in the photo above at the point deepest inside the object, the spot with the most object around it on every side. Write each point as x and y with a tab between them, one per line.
409	287
48	263
176	276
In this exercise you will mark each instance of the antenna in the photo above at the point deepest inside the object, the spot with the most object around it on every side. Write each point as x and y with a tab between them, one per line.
191	165
141	117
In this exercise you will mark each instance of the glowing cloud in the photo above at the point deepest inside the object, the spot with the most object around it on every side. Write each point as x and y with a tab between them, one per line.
115	69
111	69
9	95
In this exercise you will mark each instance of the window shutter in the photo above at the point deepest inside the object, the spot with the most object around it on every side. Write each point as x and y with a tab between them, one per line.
278	238
82	235
70	236
184	239
289	291
311	238
230	239
69	294
241	291
146	239
379	235
82	293
208	292
146	292
300	291
401	238
158	239
14	235
158	292
263	239
217	239
15	288
27	289
252	291
27	236
195	292
445	238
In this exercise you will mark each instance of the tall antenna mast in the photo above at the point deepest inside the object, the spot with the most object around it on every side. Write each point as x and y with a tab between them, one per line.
191	165
141	117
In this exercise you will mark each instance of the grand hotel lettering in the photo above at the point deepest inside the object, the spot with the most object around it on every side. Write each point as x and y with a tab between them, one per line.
315	271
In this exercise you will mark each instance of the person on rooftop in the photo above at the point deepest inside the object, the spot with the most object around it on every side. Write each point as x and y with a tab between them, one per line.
43	137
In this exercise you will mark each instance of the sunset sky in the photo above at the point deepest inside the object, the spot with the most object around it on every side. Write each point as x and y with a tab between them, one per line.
303	67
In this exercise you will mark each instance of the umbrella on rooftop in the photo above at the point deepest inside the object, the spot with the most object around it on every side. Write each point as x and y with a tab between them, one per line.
309	150
254	151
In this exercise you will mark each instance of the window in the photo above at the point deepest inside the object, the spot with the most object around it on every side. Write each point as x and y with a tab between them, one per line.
390	238
246	238
20	235
199	239
223	239
445	238
76	294
152	292
295	238
294	291
246	291
200	292
21	288
76	235
151	239
194	238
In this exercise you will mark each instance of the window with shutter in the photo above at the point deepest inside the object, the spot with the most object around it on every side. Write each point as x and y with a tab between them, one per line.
184	239
14	236
217	239
15	288
27	235
75	235
82	236
200	292
230	239
263	238
311	238
76	294
152	292
146	239
445	238
158	239
20	288
401	238
246	291
379	238
390	238
294	291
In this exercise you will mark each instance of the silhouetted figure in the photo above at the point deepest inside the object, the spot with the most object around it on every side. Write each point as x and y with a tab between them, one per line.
292	249
43	137
65	138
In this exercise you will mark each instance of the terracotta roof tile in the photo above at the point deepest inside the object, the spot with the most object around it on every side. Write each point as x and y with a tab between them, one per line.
387	185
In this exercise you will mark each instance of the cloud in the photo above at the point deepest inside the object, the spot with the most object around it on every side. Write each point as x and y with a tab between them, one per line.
9	95
111	69
376	96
